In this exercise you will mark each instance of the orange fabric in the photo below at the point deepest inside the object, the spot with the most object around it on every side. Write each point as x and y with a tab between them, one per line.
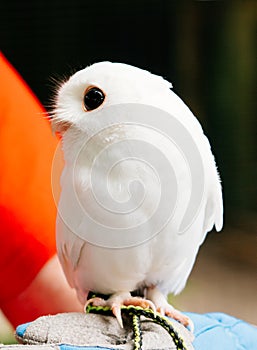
27	208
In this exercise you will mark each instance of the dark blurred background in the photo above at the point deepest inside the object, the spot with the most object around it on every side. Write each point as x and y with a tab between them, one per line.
205	48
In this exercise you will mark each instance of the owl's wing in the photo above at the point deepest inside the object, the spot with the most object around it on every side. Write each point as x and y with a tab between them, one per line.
69	249
213	212
214	204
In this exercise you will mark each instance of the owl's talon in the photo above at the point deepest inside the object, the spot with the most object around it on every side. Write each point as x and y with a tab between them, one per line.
178	316
161	311
117	300
190	325
165	309
96	301
143	303
116	310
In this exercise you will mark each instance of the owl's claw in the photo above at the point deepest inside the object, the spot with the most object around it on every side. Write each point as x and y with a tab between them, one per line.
142	302
116	310
165	309
96	301
117	300
176	315
113	302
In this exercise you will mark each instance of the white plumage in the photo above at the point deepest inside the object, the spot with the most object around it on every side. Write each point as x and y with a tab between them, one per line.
163	263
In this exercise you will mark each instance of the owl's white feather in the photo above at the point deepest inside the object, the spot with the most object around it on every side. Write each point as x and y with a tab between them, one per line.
165	260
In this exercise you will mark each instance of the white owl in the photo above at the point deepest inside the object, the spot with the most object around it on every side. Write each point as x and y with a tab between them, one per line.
158	265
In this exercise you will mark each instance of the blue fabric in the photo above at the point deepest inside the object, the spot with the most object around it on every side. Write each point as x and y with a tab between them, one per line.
213	331
70	347
218	331
20	330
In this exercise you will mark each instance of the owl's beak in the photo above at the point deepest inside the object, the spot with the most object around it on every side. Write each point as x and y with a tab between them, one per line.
59	127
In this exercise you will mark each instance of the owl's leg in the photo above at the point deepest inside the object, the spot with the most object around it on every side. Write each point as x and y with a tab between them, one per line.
165	309
119	299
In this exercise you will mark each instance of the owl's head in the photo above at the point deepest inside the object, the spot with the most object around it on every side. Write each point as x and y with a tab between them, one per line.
82	97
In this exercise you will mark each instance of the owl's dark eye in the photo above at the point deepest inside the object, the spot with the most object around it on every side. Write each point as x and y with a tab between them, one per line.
93	98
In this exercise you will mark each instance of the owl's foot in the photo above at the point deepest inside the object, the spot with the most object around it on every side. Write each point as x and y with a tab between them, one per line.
117	300
165	309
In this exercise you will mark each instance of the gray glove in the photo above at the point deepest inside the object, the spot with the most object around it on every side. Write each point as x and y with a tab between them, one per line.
70	331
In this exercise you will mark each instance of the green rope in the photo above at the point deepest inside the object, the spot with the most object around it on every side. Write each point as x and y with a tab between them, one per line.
137	332
135	312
